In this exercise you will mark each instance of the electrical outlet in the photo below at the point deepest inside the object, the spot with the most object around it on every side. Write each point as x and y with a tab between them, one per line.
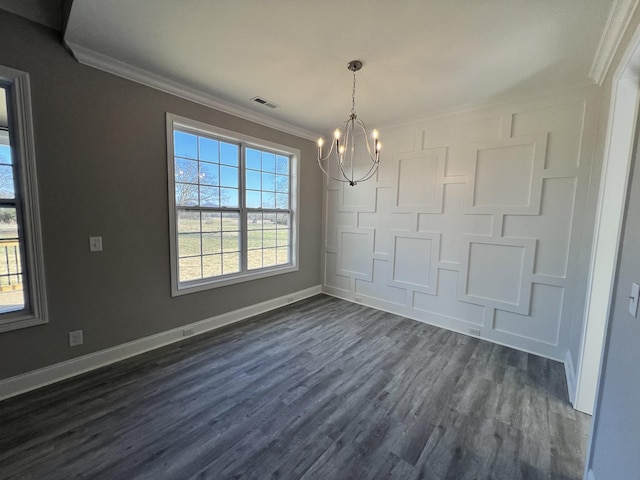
474	331
187	332
75	338
95	244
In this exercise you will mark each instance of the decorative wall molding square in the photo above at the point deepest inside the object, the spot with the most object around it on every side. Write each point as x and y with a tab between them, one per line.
415	261
419	181
497	272
506	176
355	250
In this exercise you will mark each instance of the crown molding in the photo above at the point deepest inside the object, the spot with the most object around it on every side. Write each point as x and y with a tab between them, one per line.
111	65
617	23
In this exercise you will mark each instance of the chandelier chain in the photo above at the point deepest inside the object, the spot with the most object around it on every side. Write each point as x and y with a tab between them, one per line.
353	95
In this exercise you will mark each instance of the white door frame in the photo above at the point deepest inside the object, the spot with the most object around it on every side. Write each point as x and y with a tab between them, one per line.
619	146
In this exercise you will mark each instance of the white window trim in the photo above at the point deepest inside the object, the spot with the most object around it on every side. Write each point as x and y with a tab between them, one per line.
176	121
36	312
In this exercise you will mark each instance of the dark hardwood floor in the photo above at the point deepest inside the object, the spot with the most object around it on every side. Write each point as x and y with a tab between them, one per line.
322	389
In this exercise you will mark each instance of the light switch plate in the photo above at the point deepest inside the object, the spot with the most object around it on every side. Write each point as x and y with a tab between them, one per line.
633	299
95	244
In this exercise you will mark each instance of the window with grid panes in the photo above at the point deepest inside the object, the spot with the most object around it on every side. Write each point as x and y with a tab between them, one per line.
232	203
22	288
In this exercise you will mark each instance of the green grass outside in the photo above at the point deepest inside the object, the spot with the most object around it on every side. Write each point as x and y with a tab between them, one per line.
215	250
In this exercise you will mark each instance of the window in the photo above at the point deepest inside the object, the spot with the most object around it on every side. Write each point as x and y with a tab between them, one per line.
22	293
233	206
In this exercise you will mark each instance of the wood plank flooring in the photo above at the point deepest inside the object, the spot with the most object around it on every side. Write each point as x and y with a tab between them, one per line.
322	389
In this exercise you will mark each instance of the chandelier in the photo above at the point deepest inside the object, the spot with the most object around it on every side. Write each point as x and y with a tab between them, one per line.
343	147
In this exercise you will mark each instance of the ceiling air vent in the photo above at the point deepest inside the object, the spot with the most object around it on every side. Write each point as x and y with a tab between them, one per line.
264	102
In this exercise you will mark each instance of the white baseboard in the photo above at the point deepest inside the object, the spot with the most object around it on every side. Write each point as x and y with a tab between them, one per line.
13	386
590	475
570	373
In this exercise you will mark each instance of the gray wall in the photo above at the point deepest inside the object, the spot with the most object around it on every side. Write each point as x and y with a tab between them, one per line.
101	159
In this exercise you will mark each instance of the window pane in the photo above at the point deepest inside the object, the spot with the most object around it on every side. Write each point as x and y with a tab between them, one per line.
229	177
186	194
186	171
268	200
252	180
268	162
188	221
282	200
230	222
254	239
283	256
269	182
7	189
209	196
230	242
189	269
254	259
209	150
282	184
229	154
211	243
269	238
268	257
11	288
254	221
283	238
185	145
188	244
209	174
229	197
268	220
230	263
282	165
282	219
5	153
211	222
211	265
253	158
253	199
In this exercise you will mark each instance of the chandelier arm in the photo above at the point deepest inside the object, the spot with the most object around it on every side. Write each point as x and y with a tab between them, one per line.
366	139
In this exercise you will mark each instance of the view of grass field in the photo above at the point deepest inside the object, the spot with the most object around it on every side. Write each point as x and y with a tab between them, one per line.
209	242
11	292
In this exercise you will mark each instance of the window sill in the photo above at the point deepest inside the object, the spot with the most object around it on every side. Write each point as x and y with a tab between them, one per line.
208	284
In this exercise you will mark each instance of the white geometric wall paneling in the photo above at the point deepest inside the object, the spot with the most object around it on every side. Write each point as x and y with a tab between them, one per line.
506	175
497	272
477	221
565	124
543	322
456	138
384	220
419	182
446	305
453	223
552	228
331	277
336	218
355	250
378	291
414	263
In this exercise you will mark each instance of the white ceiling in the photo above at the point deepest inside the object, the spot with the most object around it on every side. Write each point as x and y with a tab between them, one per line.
420	57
